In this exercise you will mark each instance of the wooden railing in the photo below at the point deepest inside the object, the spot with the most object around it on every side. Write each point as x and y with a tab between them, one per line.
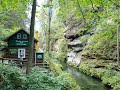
7	60
16	62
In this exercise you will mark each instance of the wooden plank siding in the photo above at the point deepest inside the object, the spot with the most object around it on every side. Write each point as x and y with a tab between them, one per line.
15	56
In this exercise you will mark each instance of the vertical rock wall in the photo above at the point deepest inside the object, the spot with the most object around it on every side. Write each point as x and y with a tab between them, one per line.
73	33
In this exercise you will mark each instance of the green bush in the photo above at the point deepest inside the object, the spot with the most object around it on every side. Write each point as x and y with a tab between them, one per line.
65	79
68	82
56	68
112	79
38	80
102	44
10	77
107	74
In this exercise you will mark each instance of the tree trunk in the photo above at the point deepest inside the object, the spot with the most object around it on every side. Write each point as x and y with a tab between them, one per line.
49	34
49	28
118	57
31	39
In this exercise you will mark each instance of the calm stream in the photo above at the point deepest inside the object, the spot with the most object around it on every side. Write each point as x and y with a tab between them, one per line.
86	82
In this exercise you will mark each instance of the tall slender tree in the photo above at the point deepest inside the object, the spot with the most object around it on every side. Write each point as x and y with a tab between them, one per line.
118	56
49	25
31	39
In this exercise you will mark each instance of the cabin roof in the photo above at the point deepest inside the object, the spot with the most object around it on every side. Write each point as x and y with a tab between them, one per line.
39	51
17	32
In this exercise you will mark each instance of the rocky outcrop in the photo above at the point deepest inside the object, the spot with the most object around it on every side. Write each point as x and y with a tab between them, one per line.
74	31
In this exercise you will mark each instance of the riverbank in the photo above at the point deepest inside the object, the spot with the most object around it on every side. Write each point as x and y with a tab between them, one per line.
105	70
70	82
85	82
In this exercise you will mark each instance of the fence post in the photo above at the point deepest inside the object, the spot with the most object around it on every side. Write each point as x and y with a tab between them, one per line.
2	60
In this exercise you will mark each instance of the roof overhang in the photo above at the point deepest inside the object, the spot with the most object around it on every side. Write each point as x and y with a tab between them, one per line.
6	39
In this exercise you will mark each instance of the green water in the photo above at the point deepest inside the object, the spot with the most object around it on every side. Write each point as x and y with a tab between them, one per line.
86	82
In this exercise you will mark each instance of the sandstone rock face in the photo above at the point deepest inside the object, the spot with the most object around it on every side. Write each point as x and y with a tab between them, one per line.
75	46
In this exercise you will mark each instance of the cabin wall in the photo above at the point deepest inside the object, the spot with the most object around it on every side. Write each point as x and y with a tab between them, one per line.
12	53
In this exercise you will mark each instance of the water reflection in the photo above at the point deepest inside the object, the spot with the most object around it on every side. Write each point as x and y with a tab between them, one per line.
86	82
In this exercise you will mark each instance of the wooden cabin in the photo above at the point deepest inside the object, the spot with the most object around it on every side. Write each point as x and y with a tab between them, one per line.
18	47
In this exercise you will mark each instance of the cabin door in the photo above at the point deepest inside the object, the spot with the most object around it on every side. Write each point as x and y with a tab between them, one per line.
21	53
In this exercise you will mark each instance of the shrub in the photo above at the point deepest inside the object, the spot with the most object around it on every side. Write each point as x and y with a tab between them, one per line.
112	78
68	82
11	77
38	80
65	79
107	74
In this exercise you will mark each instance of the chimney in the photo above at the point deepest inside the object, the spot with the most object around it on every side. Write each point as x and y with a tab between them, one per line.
36	36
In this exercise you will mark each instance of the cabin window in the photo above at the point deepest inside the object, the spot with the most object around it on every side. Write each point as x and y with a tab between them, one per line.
24	36
21	53
19	36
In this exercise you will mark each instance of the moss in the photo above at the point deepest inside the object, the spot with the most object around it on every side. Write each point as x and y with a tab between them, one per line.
82	32
56	68
109	76
61	53
70	81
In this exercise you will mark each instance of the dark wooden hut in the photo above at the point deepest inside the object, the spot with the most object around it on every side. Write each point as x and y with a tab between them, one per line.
18	47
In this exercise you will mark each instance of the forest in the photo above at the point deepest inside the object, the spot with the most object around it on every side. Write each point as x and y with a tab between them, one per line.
59	44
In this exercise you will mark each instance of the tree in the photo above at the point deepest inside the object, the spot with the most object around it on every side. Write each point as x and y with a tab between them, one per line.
118	58
13	13
49	27
12	16
31	39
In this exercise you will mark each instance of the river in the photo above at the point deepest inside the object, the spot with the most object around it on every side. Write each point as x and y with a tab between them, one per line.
84	81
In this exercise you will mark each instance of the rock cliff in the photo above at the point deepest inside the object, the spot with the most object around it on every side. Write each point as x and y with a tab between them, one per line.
74	31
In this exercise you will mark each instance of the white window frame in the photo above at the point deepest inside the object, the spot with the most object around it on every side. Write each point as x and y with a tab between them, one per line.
19	36
23	51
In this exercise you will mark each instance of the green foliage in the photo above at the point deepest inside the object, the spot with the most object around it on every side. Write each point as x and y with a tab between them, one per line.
56	68
101	17
13	19
13	13
106	73
103	43
14	4
70	7
10	77
62	52
4	34
43	81
67	81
